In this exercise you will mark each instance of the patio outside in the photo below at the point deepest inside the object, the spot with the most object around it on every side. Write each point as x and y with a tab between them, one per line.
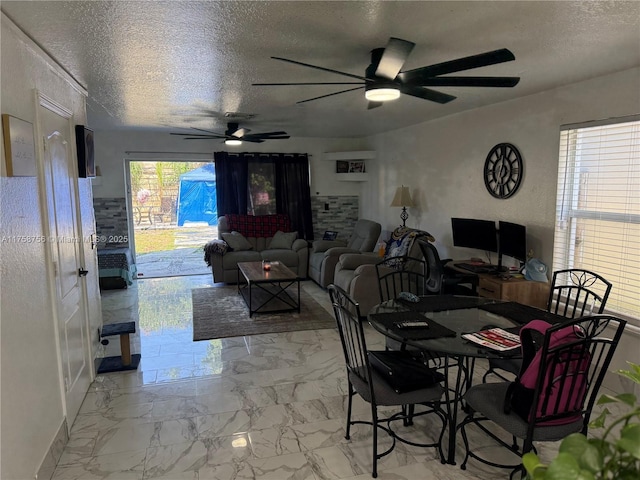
170	215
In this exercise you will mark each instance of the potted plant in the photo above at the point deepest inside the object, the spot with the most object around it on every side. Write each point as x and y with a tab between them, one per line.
615	454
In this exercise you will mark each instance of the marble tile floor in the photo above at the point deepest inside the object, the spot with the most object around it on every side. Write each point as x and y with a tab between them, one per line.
266	407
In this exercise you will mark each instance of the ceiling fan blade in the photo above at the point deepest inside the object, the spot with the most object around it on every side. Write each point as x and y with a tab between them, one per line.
330	94
305	83
268	134
474	61
209	132
252	140
372	105
202	138
470	82
321	68
240	132
395	54
426	93
258	137
196	135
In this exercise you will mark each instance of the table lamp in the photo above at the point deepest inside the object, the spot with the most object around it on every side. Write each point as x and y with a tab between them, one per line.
403	199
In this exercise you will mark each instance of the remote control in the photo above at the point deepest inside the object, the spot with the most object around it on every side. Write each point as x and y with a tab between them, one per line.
422	324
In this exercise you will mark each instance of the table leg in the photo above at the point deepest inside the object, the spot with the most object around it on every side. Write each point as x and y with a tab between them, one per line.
452	405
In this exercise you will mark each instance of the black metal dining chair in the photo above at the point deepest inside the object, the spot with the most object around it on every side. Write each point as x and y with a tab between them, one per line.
363	380
401	274
440	280
573	370
574	293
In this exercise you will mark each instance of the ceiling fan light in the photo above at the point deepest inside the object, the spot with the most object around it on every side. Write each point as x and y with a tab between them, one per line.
381	93
232	142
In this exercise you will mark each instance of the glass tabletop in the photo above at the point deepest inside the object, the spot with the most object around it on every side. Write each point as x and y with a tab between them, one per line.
459	314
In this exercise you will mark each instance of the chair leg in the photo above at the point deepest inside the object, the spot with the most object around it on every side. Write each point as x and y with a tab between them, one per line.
374	418
407	411
349	404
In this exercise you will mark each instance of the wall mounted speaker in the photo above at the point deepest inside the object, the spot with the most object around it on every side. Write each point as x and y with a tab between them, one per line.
84	144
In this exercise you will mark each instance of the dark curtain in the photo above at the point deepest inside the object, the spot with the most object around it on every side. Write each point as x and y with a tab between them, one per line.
293	192
292	188
232	182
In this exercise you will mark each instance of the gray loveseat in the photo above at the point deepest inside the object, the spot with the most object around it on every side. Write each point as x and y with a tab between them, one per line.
249	238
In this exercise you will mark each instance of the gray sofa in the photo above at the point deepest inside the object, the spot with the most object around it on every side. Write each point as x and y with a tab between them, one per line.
325	253
356	273
223	258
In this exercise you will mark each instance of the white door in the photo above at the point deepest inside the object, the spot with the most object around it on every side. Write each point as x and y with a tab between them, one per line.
64	243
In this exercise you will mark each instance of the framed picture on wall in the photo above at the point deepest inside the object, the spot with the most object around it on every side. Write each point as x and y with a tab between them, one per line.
342	166
356	166
84	144
19	147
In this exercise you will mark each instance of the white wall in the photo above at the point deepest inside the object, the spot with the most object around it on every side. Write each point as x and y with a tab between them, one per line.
111	148
442	161
32	407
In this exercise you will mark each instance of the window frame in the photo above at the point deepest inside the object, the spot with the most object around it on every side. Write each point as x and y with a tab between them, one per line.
568	211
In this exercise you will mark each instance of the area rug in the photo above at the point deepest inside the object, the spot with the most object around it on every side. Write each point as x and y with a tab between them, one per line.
220	312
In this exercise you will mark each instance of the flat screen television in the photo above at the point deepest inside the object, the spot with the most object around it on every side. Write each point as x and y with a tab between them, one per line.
512	241
472	233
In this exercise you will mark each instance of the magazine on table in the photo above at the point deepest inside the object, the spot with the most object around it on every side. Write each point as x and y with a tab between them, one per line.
494	338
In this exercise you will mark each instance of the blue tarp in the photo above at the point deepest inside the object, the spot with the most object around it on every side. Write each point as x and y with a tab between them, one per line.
197	196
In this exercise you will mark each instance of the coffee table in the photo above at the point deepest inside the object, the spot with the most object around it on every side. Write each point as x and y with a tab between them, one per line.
268	288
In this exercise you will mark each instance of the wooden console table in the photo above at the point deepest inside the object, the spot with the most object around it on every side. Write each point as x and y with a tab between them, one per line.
510	289
514	289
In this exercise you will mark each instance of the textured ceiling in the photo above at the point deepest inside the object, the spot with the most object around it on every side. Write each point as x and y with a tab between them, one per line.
177	64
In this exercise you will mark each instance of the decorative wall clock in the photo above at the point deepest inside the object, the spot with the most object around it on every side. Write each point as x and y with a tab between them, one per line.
503	170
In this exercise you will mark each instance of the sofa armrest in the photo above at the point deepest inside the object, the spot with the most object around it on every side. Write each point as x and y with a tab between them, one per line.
324	245
214	247
299	244
338	251
351	261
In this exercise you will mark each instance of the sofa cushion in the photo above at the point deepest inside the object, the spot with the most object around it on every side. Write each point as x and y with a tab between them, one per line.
236	241
283	240
288	257
230	259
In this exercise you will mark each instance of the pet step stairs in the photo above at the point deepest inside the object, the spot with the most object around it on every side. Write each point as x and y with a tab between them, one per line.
125	361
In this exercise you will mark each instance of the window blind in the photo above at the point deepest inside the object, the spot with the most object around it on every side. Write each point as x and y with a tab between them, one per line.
598	207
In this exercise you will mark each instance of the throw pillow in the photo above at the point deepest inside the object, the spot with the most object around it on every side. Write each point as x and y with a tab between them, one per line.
283	240
236	241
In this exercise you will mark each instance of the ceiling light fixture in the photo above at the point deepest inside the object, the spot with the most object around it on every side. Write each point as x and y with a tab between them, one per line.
381	92
232	142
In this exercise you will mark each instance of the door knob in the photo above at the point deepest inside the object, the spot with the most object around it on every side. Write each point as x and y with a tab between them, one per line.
82	272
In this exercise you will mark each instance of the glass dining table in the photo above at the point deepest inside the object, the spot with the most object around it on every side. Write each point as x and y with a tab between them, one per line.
448	318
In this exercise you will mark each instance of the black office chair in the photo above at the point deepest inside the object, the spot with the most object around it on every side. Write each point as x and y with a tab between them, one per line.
581	362
371	386
574	293
445	281
400	274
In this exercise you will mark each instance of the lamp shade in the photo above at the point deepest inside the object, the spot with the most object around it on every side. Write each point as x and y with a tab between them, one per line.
402	198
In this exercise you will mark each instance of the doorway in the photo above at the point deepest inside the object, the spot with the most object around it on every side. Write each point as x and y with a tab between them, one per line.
173	214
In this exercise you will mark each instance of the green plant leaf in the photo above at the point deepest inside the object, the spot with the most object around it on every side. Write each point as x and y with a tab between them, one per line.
633	374
565	467
598	422
532	465
629	440
587	454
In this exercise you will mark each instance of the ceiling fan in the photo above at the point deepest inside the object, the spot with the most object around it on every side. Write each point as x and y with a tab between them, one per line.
383	80
234	135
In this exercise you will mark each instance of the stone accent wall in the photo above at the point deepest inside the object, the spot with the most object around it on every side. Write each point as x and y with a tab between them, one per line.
337	213
112	229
